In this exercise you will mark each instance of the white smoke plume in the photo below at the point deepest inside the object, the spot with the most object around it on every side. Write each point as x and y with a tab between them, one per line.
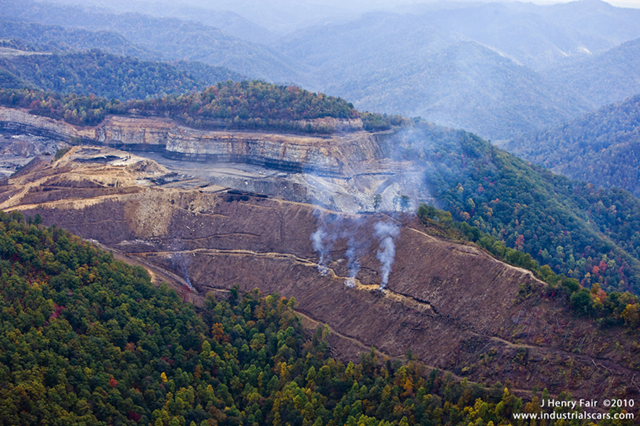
318	238
386	232
354	263
180	263
188	281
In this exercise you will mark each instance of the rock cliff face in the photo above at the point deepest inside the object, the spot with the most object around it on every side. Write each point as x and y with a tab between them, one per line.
341	171
21	121
452	305
284	152
320	155
137	134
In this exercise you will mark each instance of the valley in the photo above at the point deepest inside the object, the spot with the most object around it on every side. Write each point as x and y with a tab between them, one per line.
600	147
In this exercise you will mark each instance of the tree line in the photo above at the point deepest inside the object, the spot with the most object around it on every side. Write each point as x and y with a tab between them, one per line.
234	105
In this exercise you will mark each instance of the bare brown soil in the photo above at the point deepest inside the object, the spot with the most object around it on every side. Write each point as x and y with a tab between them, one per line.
455	307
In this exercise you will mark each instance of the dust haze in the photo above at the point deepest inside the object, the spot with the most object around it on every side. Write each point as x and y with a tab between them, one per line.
283	16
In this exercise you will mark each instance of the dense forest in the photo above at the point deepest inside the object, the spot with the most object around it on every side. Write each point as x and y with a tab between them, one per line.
249	104
109	76
87	339
208	74
578	230
600	147
74	109
102	74
243	105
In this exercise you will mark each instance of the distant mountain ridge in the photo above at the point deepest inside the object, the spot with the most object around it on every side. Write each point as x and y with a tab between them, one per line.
177	40
499	70
229	22
403	63
44	37
537	35
465	85
107	75
605	78
602	147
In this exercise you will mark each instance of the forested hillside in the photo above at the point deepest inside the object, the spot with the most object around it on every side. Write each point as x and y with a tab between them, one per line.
588	234
88	340
109	76
178	40
208	74
248	104
601	147
74	109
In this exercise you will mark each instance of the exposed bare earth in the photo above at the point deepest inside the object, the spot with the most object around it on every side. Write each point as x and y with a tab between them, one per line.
454	306
342	172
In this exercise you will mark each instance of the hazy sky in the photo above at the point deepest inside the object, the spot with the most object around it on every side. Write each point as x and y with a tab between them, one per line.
619	3
629	3
350	4
284	16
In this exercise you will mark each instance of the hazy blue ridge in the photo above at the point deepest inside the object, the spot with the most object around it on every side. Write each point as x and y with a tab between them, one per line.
601	147
57	38
603	78
538	36
177	40
230	22
465	86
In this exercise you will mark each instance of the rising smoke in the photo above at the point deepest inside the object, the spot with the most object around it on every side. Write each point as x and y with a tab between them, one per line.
354	263
386	232
401	189
318	238
332	228
180	263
